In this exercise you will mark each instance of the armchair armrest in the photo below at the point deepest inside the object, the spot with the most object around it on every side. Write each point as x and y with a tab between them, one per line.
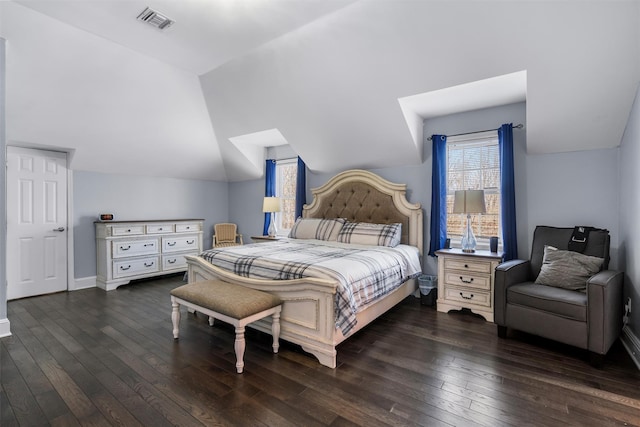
604	309
507	274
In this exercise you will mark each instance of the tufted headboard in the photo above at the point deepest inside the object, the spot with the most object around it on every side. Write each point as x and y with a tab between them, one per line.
362	196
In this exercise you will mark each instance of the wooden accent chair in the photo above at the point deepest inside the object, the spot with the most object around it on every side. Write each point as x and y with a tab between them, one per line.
226	234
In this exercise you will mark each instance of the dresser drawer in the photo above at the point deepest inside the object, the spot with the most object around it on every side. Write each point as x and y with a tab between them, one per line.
467	265
476	281
468	296
124	268
175	261
180	244
135	248
160	228
127	230
186	227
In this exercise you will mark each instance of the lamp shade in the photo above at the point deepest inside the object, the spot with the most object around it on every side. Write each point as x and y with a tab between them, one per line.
469	201
271	204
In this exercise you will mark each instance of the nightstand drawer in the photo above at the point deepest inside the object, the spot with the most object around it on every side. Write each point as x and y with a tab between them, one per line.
467	265
468	296
467	280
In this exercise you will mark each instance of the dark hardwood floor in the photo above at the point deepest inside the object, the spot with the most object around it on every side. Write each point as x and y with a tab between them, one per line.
91	357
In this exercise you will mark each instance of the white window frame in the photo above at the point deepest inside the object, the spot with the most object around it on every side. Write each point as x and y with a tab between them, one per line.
279	185
481	139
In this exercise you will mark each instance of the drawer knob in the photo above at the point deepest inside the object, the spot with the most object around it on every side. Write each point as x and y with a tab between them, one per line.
122	248
466	266
171	243
469	297
148	244
122	267
148	264
190	242
171	261
466	281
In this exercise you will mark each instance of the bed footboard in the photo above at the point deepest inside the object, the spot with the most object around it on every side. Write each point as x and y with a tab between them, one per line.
307	317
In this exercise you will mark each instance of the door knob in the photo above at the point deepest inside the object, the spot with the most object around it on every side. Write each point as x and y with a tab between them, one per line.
59	229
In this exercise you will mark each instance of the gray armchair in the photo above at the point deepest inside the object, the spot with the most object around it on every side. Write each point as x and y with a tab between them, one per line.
590	320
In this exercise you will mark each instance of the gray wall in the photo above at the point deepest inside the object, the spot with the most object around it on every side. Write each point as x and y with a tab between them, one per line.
245	207
628	209
569	189
139	198
245	198
486	119
3	208
552	189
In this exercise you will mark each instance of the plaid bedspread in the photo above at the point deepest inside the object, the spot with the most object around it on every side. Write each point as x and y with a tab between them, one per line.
364	273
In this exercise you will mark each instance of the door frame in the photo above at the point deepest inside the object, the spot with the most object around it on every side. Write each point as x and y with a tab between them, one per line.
71	285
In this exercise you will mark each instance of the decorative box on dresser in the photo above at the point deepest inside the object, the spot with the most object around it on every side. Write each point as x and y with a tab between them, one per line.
466	280
128	250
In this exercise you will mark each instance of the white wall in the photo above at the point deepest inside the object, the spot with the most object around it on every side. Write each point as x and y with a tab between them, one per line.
332	86
121	111
629	210
130	197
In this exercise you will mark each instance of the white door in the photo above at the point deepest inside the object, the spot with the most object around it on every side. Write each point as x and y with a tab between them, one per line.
36	222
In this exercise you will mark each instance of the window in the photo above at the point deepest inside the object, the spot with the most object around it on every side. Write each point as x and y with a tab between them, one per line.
473	163
286	174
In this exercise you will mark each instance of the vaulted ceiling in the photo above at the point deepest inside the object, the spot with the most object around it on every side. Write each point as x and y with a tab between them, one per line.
345	83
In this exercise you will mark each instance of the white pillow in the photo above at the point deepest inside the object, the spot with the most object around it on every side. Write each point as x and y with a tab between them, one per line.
363	233
316	228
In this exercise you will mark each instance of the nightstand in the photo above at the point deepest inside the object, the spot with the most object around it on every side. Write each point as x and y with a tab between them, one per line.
466	280
261	239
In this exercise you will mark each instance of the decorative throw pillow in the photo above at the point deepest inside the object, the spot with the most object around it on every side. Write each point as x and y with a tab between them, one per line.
316	228
567	269
363	233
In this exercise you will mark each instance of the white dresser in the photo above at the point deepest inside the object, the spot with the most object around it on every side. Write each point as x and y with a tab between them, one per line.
128	250
466	280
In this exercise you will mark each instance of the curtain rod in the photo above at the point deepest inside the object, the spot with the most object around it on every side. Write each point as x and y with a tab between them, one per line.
519	126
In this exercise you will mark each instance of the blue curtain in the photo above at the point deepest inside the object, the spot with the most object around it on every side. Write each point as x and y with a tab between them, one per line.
508	190
438	194
301	187
269	190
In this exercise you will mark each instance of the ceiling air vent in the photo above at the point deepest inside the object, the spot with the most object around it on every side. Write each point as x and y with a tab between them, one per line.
155	19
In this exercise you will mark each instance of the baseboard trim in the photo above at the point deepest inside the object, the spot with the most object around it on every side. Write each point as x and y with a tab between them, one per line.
5	328
632	344
83	283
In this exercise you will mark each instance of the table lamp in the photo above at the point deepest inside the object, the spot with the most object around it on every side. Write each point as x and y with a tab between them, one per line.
469	201
271	205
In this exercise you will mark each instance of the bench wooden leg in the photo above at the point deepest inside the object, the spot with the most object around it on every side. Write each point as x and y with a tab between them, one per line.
239	347
175	318
275	331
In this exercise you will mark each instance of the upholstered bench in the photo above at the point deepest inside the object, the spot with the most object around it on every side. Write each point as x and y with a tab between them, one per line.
234	304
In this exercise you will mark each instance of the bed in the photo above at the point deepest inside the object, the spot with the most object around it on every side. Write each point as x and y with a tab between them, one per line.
309	303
